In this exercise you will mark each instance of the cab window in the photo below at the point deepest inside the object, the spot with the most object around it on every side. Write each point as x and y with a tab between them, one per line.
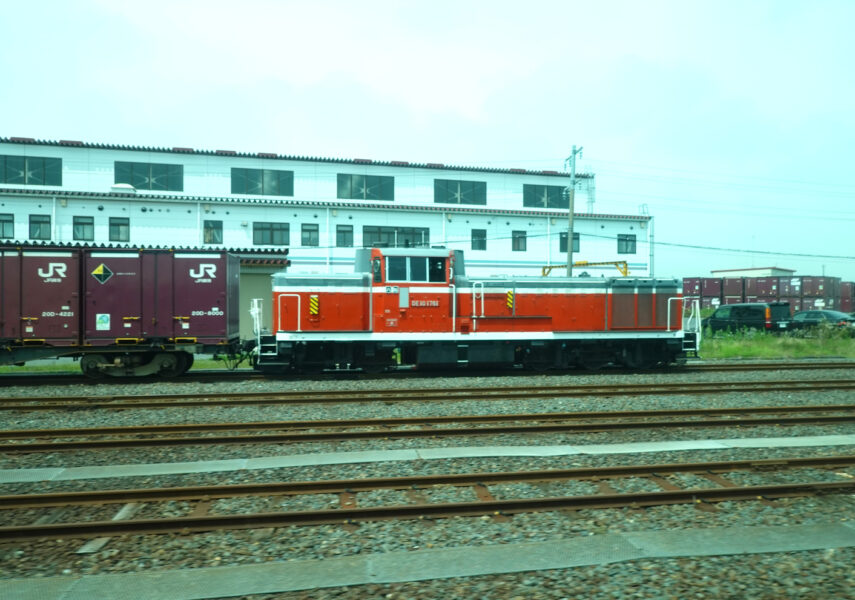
375	267
436	270
723	312
396	268
418	268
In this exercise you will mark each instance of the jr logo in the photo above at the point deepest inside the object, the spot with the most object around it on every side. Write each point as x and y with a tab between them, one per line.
54	271
206	272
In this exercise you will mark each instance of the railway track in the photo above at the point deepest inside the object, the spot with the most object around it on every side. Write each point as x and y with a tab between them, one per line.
412	395
215	376
141	436
601	479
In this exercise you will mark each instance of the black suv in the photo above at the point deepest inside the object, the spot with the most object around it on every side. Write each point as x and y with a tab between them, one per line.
767	316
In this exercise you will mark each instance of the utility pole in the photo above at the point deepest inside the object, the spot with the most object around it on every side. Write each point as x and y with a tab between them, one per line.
571	193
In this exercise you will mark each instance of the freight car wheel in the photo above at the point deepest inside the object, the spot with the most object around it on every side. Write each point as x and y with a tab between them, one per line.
171	364
89	365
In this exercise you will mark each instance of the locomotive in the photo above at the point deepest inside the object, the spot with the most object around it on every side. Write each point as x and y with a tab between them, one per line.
417	307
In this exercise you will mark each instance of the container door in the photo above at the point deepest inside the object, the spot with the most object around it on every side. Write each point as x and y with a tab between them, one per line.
50	296
113	284
10	295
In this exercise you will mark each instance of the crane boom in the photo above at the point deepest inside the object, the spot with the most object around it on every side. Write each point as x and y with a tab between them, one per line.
620	265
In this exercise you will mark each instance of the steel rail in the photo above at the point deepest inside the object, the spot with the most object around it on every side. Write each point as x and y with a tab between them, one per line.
136	430
18	501
410	395
327	436
418	511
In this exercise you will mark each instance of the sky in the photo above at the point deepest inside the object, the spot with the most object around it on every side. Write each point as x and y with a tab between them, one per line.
732	123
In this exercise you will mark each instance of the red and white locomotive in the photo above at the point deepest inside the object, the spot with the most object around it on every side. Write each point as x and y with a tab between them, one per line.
418	307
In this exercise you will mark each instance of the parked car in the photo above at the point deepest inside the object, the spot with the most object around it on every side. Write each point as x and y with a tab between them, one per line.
765	316
812	318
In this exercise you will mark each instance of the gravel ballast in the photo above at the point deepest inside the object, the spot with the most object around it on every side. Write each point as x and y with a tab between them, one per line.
814	574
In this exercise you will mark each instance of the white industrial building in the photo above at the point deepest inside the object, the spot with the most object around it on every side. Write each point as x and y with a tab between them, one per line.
507	221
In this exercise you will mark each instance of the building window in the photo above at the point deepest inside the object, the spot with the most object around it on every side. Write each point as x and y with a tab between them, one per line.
212	232
7	226
271	234
395	237
120	229
479	239
310	235
30	170
344	236
84	229
366	187
518	241
264	182
562	241
150	176
39	227
625	243
447	191
545	196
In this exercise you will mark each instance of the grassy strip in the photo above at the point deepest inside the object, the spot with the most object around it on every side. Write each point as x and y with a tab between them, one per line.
823	342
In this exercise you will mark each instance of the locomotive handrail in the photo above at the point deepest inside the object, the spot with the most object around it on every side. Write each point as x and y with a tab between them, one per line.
297	296
668	313
475	285
255	313
453	289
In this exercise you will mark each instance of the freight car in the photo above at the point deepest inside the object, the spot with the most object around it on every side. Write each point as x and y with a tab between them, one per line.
418	307
122	311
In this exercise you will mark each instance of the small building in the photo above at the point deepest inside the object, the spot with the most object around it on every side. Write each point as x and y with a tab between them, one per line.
754	272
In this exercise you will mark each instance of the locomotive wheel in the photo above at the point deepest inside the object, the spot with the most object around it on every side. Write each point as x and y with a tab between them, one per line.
640	357
592	363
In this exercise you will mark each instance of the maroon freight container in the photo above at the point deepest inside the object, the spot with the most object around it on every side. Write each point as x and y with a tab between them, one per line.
811	303
846	305
733	300
847	290
767	287
795	303
817	286
710	302
750	284
691	286
733	286
159	295
711	287
791	287
48	296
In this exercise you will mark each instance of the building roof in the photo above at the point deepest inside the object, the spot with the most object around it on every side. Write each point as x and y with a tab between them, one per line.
275	156
355	204
753	269
253	255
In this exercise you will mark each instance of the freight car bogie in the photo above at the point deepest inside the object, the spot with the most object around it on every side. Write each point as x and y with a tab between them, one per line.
136	364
